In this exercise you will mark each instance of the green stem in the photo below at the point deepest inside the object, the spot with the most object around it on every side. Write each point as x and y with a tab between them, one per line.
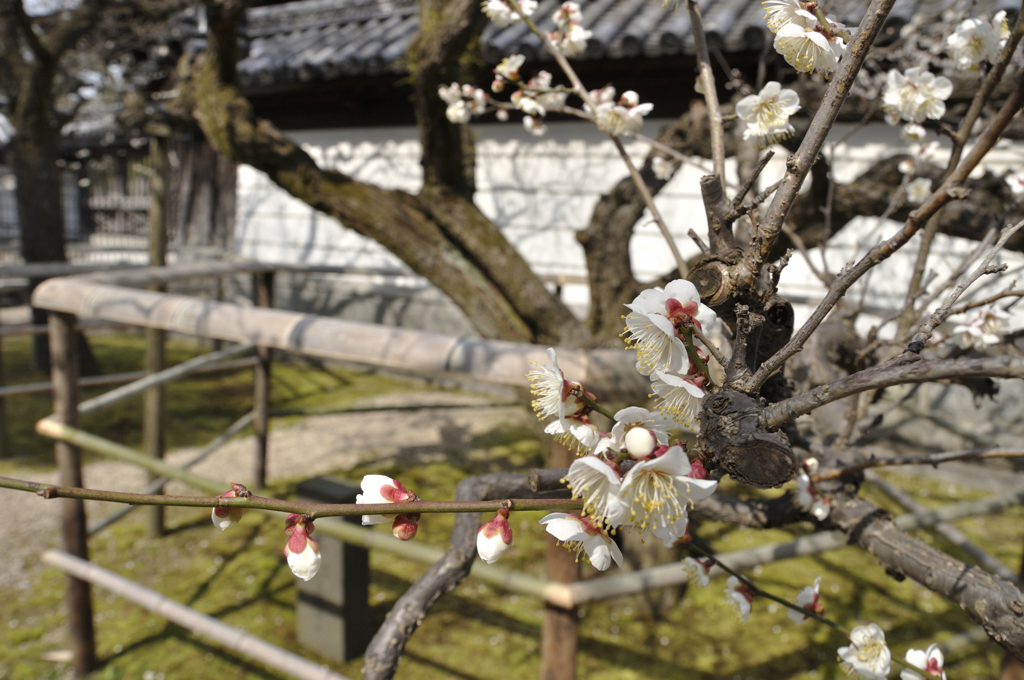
582	396
691	349
314	510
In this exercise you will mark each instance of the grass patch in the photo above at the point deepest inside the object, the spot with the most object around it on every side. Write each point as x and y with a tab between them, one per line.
477	631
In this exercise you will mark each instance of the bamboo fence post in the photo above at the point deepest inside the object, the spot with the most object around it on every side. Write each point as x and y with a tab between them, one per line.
64	373
154	414
560	631
263	296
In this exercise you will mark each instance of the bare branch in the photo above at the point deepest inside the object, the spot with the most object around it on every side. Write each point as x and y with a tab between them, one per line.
943	195
922	336
932	459
800	163
710	92
888	375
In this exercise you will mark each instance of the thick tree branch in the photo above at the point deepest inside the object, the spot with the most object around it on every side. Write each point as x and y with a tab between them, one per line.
995	604
438	233
385	650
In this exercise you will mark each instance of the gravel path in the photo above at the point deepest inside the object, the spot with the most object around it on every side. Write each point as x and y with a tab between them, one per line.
312	446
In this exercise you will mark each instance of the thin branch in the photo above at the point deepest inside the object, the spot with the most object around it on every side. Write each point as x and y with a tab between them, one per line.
932	459
923	335
710	346
992	78
582	93
800	163
313	510
943	195
802	247
1010	291
737	201
710	92
887	375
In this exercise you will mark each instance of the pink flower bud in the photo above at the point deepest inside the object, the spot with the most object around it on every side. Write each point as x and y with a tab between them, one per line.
497	85
225	517
697	469
302	552
379	489
494	537
405	526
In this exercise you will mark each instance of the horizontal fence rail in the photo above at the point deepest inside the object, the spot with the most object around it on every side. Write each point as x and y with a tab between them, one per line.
227	636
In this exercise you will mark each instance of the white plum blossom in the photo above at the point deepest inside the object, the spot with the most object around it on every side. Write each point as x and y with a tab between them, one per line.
976	40
657	494
767	113
809	500
301	551
778	13
680	398
527	103
573	42
458	112
548	384
919	190
928	660
868	656
574	433
912	132
501	115
493	538
567	13
698	571
502	14
624	117
580	536
509	67
982	328
535	126
739	595
662	168
1015	181
650	325
382	489
915	95
808	599
450	94
807	49
598	484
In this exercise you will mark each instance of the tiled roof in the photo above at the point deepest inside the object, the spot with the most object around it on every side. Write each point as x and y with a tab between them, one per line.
314	40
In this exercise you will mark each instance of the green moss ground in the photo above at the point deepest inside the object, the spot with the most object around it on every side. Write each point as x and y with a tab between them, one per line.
240	577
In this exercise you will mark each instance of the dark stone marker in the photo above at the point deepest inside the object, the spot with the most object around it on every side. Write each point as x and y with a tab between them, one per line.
333	608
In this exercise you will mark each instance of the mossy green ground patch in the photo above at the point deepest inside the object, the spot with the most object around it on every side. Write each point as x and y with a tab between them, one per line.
240	577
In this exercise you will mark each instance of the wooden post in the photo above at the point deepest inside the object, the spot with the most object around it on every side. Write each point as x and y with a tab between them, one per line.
560	631
154	412
64	373
5	451
263	296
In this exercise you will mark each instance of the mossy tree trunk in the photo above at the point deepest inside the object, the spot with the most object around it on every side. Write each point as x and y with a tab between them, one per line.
439	232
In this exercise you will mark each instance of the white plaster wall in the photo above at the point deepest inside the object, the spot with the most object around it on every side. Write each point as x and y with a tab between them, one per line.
541	191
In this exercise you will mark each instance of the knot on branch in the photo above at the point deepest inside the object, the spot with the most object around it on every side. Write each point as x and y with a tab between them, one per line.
733	439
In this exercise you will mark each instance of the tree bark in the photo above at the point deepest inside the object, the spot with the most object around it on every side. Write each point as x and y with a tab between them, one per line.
439	233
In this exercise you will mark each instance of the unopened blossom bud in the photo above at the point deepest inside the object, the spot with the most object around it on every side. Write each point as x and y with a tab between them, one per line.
629	99
225	517
497	85
405	526
811	465
697	469
379	489
302	552
640	442
501	115
494	537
